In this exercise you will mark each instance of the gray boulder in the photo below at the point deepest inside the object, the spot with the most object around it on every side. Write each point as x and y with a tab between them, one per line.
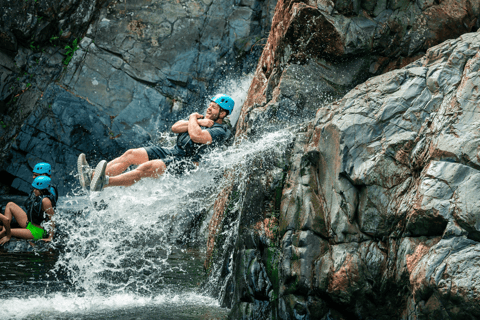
378	214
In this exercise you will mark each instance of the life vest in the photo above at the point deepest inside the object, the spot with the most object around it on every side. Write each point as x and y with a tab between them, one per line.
33	205
53	190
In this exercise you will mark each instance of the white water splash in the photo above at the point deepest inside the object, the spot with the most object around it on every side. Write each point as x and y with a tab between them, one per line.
237	89
71	306
125	247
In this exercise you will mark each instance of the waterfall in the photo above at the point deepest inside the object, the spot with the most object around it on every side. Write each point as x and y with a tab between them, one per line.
141	247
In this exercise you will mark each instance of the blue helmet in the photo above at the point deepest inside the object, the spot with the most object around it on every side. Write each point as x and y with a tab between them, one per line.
224	101
41	183
42	168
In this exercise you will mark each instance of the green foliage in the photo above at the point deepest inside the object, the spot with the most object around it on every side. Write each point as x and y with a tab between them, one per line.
70	51
3	124
33	47
29	85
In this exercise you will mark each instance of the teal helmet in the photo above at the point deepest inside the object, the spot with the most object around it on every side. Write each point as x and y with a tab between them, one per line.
225	102
41	183
42	168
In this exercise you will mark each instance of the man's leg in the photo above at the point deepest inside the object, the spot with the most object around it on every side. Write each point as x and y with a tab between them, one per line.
149	169
131	157
13	210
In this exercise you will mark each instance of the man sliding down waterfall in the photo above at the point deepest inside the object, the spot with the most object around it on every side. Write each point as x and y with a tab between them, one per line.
196	137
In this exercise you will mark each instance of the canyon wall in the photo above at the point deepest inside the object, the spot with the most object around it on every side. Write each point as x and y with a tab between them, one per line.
377	217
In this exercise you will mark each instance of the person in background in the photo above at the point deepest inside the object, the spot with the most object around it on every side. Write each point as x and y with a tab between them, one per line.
196	137
40	169
33	222
45	169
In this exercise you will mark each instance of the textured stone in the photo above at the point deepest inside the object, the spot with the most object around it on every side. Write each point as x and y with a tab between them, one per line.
399	34
384	180
63	131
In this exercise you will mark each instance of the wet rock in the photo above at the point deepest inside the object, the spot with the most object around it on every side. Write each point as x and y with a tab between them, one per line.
63	131
22	246
383	181
339	39
37	22
445	279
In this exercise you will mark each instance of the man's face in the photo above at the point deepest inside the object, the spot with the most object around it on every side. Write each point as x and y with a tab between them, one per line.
213	111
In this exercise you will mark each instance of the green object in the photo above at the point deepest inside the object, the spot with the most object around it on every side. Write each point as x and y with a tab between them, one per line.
70	50
37	233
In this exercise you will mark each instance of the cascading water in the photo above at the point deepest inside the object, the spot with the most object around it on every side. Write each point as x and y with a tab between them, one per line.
132	251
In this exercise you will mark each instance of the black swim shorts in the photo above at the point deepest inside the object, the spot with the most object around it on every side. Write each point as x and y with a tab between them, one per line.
176	163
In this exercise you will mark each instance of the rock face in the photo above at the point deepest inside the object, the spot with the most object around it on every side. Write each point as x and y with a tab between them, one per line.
378	214
379	211
317	50
134	68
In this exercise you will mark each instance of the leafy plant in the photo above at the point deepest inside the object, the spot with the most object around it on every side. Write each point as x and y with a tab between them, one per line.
70	51
53	38
3	124
34	47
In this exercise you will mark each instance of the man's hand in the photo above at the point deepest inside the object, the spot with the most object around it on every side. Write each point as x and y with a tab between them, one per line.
206	123
196	115
5	239
195	132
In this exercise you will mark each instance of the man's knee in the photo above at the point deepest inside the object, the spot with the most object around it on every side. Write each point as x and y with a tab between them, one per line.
10	205
152	168
134	155
130	153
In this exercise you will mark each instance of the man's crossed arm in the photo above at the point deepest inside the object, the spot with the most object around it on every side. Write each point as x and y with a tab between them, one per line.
193	127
